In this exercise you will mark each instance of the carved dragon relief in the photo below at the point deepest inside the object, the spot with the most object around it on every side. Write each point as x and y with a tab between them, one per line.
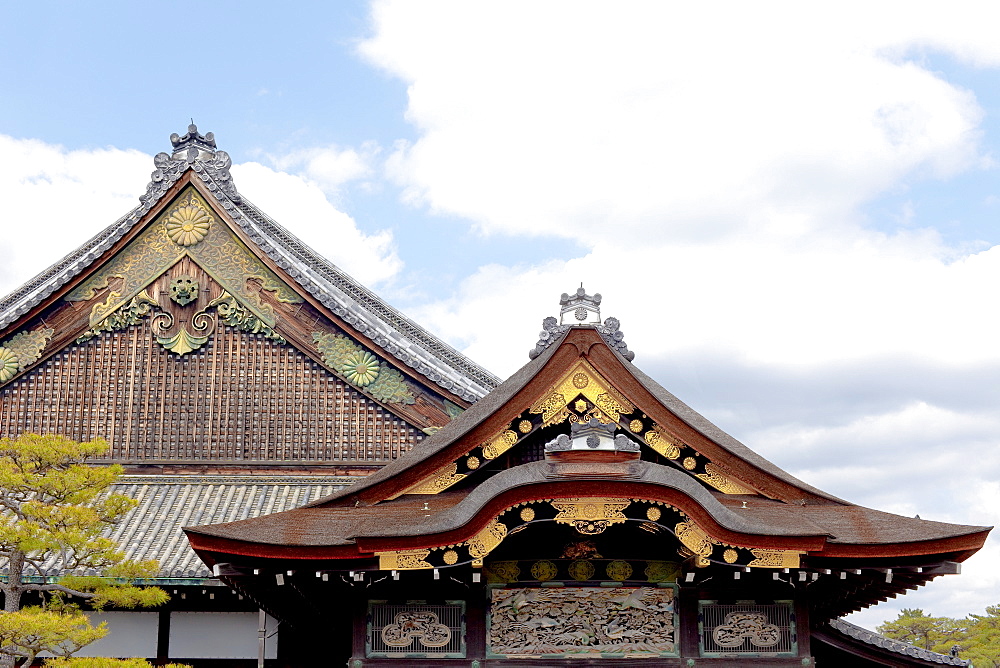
581	394
591	516
188	228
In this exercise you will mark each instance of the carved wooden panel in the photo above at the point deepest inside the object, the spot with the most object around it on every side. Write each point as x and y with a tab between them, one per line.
240	397
747	628
416	629
582	622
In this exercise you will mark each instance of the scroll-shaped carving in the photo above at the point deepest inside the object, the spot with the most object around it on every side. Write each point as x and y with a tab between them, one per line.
620	621
363	369
499	444
590	516
148	256
420	625
721	482
403	560
660	442
235	314
693	538
486	540
774	558
582	379
27	346
739	627
439	481
128	315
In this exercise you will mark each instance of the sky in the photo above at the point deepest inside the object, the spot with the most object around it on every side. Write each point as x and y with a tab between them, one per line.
791	207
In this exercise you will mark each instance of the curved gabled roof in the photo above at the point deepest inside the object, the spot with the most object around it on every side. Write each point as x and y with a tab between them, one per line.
533	379
399	336
764	506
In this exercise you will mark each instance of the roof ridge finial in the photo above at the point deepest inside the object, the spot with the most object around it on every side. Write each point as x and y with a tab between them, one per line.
193	145
585	310
194	151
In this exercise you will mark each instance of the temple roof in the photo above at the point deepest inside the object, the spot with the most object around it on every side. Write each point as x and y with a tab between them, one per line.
396	334
152	530
843	634
450	486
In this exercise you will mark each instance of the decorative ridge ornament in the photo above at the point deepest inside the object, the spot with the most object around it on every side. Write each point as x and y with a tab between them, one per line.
198	152
193	138
581	309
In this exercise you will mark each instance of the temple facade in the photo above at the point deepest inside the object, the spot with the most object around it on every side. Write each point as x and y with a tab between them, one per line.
357	492
580	514
234	373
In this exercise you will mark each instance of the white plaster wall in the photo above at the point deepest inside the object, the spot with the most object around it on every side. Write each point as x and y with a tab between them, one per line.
219	635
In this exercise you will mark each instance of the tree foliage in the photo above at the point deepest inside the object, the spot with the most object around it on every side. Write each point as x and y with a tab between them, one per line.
53	511
984	639
976	637
938	634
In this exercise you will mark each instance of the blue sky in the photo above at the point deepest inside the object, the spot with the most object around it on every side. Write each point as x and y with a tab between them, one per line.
793	210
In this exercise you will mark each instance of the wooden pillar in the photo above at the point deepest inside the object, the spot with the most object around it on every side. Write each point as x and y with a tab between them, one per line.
476	610
687	608
802	623
163	637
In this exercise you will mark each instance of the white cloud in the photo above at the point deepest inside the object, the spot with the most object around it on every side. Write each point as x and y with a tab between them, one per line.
666	120
301	206
55	199
330	167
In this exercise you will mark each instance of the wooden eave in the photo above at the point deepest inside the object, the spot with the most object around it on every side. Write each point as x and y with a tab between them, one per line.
579	343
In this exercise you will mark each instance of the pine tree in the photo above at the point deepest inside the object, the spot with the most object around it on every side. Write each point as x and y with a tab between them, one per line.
54	509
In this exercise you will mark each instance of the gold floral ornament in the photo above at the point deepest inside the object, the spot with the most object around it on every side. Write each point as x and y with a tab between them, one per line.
360	367
187	224
8	364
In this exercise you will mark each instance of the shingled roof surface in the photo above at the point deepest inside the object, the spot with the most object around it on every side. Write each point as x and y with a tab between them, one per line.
850	632
399	336
166	503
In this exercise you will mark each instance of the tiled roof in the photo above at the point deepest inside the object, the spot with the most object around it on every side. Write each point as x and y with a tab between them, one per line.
399	336
166	503
896	646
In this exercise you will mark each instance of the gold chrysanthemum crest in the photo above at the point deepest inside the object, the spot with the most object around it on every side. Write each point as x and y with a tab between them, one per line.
360	367
188	223
8	364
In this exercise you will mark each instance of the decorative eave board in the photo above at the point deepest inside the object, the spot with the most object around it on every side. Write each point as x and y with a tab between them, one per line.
196	161
614	391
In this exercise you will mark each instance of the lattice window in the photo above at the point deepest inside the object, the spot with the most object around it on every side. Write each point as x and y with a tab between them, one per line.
416	629
747	628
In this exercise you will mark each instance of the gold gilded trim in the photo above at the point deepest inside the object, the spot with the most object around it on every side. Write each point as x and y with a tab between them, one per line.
723	483
499	444
582	379
657	439
403	560
439	481
591	515
694	538
486	540
223	256
774	558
